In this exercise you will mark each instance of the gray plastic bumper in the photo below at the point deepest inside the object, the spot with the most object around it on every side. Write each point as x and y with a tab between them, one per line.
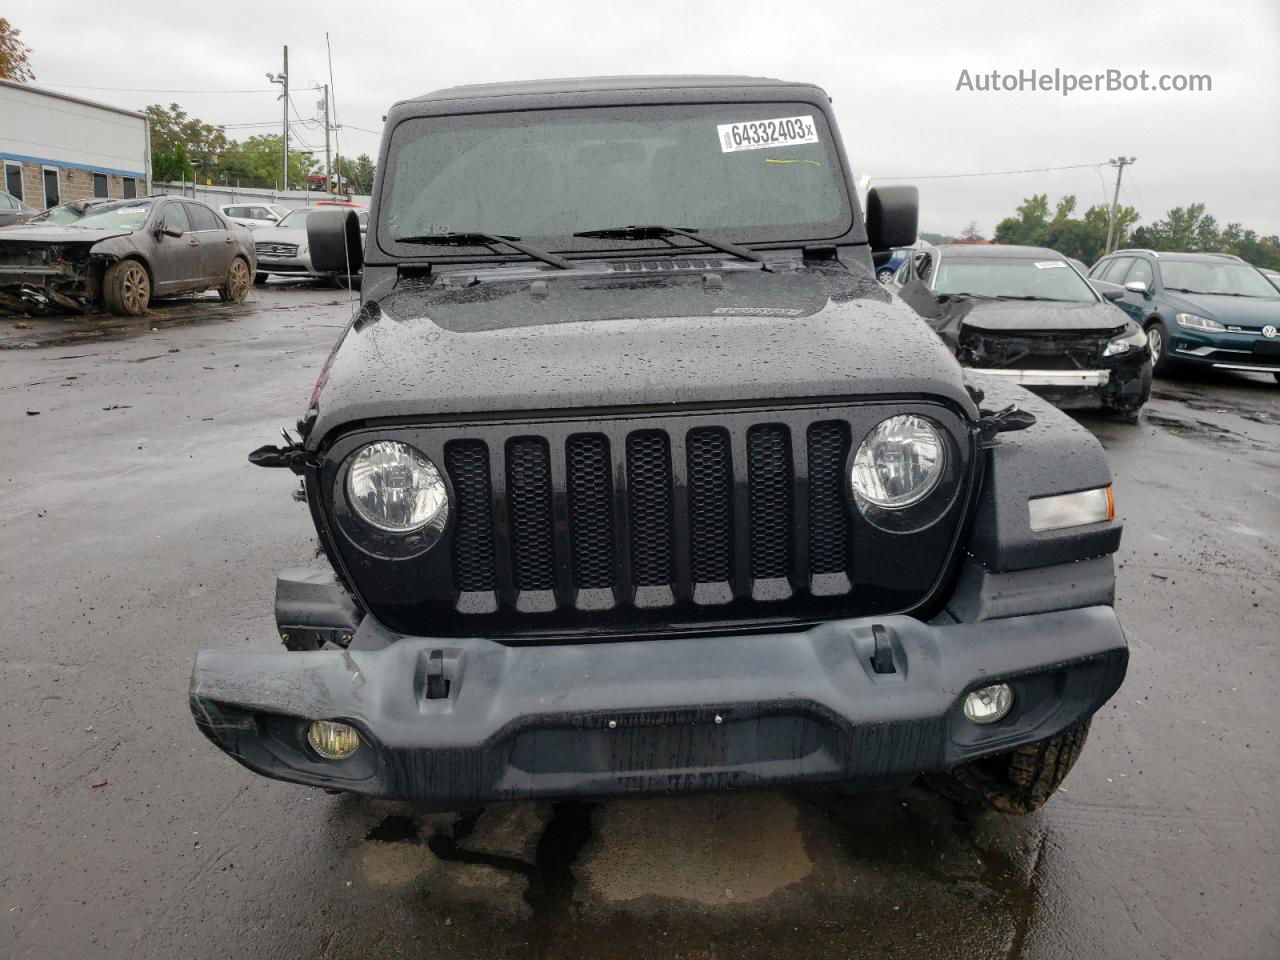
657	715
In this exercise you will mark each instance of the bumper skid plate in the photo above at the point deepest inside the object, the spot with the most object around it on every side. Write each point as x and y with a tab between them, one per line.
659	715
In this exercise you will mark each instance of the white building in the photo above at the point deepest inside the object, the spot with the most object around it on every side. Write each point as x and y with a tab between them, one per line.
56	148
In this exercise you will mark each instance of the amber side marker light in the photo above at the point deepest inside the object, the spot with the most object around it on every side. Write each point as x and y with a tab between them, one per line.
1072	509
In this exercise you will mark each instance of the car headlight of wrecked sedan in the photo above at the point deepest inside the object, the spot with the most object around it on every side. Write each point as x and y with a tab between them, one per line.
899	463
1191	321
1135	339
394	488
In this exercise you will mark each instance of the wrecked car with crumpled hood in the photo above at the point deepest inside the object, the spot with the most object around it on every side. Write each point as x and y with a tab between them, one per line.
121	254
629	476
1028	316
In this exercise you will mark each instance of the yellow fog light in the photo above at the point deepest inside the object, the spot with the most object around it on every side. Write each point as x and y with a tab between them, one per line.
333	740
989	704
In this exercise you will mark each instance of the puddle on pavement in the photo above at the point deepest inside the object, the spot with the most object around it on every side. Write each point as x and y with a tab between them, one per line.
768	874
17	332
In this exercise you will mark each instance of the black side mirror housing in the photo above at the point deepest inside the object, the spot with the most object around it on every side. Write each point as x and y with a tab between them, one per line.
1107	290
167	231
893	215
335	240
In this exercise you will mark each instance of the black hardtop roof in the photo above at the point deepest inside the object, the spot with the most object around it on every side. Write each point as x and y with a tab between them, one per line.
999	251
578	85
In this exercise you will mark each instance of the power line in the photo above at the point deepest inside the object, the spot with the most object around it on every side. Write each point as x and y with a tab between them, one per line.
990	173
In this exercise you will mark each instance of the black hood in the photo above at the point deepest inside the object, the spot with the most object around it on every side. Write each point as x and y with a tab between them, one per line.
548	341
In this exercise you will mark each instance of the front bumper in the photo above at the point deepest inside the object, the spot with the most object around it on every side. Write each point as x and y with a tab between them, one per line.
299	266
659	715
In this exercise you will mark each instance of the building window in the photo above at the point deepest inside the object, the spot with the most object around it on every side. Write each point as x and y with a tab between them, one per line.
99	184
13	178
52	196
130	188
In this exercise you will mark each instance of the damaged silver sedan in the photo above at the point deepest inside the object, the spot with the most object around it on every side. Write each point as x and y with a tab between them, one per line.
121	255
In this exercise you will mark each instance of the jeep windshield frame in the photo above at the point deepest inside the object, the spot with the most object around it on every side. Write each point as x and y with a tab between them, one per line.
547	173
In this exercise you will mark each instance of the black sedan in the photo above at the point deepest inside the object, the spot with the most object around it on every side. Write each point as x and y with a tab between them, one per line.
1027	315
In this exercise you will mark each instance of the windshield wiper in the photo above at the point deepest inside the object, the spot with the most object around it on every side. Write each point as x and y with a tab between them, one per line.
658	233
1042	299
971	296
487	240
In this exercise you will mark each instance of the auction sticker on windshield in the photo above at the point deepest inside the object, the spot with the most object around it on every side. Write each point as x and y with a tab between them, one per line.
762	134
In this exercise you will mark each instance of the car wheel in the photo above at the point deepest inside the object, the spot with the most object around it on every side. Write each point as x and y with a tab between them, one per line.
1020	781
884	276
235	286
260	279
1158	344
126	288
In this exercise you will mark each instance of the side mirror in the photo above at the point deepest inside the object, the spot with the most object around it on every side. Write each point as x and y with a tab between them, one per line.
893	215
1108	291
335	241
1137	286
168	231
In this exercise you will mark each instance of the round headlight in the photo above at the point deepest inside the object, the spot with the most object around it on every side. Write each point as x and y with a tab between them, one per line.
899	463
396	488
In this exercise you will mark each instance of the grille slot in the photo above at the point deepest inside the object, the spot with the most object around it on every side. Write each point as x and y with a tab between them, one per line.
529	508
710	478
828	517
590	483
467	462
649	500
769	485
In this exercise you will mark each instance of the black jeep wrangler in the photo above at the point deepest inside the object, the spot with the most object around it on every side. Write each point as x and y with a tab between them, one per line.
631	477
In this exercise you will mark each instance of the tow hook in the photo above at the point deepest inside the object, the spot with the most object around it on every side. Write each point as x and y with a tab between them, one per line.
1010	418
292	455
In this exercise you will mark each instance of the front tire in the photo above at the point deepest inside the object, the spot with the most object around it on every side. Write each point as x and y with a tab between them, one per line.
1158	343
1018	782
235	286
126	288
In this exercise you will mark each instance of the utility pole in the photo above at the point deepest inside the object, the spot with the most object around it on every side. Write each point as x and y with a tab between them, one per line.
328	173
1112	233
283	81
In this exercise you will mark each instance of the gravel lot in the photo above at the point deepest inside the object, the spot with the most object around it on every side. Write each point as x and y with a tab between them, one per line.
133	532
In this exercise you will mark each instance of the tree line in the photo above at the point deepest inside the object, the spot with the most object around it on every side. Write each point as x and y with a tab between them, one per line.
1188	229
186	148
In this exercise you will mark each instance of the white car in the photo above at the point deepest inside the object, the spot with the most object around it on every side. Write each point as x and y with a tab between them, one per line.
254	215
282	249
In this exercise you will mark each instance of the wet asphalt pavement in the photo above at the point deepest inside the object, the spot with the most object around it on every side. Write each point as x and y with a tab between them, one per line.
133	532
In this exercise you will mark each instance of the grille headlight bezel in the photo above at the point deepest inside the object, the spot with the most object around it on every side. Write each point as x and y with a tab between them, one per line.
874	456
355	511
929	500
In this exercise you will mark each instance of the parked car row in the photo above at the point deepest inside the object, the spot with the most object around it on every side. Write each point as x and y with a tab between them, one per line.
122	254
1093	339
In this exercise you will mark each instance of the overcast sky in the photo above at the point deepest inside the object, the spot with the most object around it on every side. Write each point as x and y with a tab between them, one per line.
892	68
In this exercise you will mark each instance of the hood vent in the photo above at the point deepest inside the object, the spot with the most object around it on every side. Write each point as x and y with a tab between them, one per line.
663	265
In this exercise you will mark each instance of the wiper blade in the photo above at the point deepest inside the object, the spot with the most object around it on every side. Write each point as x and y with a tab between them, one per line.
487	240
658	233
1041	299
971	296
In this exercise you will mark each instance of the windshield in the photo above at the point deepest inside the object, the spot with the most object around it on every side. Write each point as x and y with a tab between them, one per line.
295	218
129	215
1215	276
63	215
1020	278
298	218
752	172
